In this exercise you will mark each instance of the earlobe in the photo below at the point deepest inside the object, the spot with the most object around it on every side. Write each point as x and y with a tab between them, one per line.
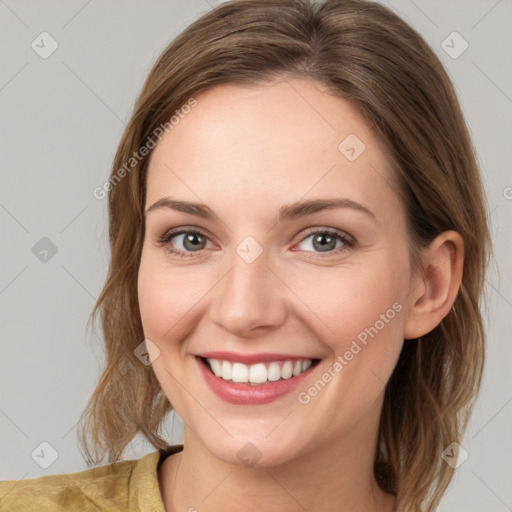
434	293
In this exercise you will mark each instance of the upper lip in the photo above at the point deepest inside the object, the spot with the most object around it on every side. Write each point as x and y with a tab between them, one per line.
237	357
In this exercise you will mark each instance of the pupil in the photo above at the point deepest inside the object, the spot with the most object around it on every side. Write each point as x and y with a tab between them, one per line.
324	242
192	238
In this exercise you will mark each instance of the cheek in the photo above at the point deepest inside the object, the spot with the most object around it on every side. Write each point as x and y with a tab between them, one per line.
374	318
366	306
348	300
359	315
168	300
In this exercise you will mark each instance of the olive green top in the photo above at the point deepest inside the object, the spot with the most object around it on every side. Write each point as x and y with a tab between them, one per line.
127	486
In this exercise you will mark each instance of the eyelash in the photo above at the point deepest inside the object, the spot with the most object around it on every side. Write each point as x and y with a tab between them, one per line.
348	241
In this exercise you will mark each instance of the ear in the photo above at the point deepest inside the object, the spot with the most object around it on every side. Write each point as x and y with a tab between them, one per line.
433	293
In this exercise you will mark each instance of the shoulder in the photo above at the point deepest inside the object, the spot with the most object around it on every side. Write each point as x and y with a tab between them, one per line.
116	487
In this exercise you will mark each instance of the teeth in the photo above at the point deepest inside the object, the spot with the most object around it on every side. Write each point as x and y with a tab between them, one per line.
240	373
273	372
216	367
287	370
260	372
226	370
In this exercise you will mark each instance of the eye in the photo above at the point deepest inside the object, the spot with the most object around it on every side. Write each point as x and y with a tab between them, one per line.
187	241
327	241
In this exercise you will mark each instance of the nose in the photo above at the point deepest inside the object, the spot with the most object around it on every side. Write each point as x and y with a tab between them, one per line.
250	299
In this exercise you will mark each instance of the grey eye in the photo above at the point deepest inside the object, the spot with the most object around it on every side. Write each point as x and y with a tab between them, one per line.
322	242
191	241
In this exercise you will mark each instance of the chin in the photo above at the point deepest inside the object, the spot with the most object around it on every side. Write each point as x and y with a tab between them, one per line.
254	451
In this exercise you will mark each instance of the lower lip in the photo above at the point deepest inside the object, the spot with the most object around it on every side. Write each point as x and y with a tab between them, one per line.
247	394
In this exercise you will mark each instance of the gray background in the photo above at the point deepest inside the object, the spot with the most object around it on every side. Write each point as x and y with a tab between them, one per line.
62	118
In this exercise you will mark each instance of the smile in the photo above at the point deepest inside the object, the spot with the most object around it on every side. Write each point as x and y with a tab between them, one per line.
260	372
257	383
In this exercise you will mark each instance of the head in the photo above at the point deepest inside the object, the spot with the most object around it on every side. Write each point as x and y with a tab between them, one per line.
301	102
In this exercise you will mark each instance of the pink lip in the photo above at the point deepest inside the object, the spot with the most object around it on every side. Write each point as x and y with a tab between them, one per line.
237	357
248	394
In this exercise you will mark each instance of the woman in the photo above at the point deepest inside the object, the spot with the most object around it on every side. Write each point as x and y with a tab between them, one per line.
299	242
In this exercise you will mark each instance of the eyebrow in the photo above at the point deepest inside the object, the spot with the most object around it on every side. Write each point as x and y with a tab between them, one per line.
286	212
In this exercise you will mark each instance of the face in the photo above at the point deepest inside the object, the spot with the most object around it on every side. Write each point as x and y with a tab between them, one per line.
265	286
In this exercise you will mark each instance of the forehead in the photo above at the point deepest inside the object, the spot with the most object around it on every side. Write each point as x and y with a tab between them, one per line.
269	145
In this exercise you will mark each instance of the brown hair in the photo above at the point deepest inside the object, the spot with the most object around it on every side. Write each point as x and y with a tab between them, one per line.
364	53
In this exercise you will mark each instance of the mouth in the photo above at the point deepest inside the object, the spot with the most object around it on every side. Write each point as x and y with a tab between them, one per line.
260	373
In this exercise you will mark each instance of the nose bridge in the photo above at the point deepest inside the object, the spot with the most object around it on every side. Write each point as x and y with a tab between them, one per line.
250	296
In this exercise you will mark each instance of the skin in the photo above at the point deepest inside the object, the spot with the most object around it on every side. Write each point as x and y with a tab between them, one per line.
245	152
